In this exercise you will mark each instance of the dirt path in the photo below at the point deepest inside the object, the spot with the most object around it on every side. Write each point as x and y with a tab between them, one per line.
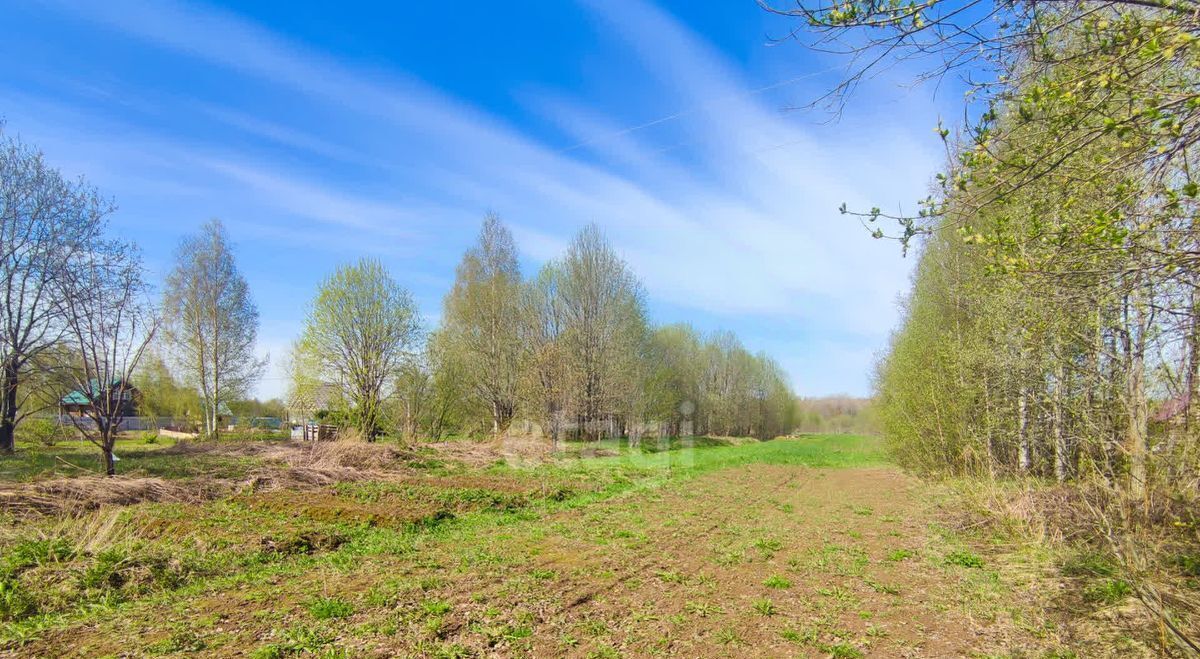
750	561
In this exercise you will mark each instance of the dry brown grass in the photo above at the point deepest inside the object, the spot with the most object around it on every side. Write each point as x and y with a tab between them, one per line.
289	465
513	448
1140	539
85	493
348	454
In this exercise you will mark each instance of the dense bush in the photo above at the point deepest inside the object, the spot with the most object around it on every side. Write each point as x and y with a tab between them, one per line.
40	431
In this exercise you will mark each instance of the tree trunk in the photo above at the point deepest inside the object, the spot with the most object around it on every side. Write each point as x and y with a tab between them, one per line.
1138	413
1062	450
8	420
1023	452
110	465
1192	378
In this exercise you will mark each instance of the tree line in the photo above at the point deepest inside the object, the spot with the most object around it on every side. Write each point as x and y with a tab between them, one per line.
1053	326
567	353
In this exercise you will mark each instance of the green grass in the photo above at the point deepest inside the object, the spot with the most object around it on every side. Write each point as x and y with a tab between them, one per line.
1108	592
963	558
706	454
170	550
327	608
69	458
764	607
777	582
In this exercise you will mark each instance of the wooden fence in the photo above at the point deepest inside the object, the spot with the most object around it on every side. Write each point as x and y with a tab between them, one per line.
315	432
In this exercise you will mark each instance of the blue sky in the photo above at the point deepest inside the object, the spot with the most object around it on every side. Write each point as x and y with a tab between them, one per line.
321	132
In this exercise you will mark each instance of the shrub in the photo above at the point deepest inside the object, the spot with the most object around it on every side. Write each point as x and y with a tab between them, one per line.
39	431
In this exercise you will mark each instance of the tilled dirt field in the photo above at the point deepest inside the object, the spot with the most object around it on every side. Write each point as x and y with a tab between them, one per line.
748	561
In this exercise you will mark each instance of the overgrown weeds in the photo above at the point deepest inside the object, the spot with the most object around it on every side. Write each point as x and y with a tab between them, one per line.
1111	551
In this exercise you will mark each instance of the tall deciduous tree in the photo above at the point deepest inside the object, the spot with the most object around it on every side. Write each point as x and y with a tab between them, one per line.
544	378
109	324
604	327
361	328
212	322
482	320
45	222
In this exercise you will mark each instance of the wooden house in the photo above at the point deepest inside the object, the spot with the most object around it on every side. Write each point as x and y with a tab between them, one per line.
79	402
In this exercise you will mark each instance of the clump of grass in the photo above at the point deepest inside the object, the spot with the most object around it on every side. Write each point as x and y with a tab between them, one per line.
603	652
768	546
594	627
702	609
764	607
863	511
1108	592
777	582
327	608
805	637
882	587
32	553
452	651
668	576
182	640
1188	564
15	602
898	555
964	558
296	640
729	558
435	607
1089	564
728	637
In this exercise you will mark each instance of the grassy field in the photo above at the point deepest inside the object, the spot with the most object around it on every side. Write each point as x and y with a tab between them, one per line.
138	454
709	547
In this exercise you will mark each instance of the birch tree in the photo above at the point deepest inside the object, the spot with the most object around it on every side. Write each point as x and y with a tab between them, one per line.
544	378
211	322
481	322
604	325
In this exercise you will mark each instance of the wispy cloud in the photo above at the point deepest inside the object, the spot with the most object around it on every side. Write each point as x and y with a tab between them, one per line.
726	206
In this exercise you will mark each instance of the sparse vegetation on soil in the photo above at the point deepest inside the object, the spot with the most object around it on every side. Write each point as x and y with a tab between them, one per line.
730	549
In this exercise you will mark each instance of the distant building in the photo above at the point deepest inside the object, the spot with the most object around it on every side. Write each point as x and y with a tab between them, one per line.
303	406
80	403
1173	410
